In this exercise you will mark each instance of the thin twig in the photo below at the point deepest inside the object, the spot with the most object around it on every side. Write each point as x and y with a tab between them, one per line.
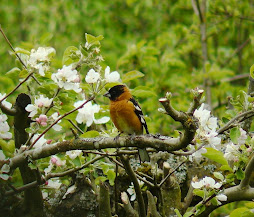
76	127
7	95
20	60
235	52
229	124
162	181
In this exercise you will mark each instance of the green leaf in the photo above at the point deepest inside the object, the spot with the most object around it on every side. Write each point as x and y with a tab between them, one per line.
250	205
199	192
23	73
46	37
252	71
76	161
70	55
7	147
225	168
32	166
200	208
178	213
215	155
100	179
240	174
242	212
132	75
187	214
92	40
218	176
22	51
111	177
13	73
235	134
143	91
90	134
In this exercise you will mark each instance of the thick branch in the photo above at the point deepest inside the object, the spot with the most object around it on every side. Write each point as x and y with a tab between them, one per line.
7	111
233	194
161	143
130	172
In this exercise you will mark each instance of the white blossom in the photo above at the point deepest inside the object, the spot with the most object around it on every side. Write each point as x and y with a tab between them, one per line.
206	133
131	190
5	103
232	152
86	114
41	102
67	78
40	59
206	182
73	153
221	197
70	190
41	142
197	155
56	127
111	77
4	128
54	183
92	76
242	138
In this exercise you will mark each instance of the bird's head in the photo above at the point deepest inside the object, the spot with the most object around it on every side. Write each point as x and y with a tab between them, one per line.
118	92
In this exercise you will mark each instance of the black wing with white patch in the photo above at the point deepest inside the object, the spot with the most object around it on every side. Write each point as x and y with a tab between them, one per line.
140	114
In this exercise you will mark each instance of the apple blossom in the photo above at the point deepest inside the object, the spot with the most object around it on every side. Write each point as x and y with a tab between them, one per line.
42	120
206	133
40	58
92	76
41	142
232	152
86	114
54	183
4	128
111	77
56	127
67	78
41	102
131	190
206	182
5	103
73	153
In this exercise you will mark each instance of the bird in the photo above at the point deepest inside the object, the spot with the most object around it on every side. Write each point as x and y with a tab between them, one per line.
127	115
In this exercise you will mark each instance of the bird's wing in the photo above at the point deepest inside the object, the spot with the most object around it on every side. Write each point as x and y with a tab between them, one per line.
140	114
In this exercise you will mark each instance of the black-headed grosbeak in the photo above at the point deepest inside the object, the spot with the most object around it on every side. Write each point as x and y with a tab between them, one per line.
127	115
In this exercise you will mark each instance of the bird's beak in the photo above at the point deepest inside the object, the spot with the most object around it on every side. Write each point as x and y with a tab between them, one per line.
107	94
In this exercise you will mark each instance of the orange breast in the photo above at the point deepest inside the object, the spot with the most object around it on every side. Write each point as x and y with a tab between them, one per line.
124	118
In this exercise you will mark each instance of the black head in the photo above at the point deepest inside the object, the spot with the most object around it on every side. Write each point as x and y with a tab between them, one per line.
115	92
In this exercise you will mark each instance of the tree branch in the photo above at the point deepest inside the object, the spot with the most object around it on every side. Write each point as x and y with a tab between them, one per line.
161	143
248	171
130	172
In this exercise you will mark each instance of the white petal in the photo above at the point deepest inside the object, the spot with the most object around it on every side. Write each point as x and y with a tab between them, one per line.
102	120
222	197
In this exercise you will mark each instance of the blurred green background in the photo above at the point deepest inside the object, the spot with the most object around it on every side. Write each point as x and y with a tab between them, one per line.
161	39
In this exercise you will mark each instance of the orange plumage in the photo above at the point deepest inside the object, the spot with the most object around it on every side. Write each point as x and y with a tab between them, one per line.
126	114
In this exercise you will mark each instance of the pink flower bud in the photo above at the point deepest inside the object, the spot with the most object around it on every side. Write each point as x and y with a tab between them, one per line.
42	120
49	141
53	160
40	104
